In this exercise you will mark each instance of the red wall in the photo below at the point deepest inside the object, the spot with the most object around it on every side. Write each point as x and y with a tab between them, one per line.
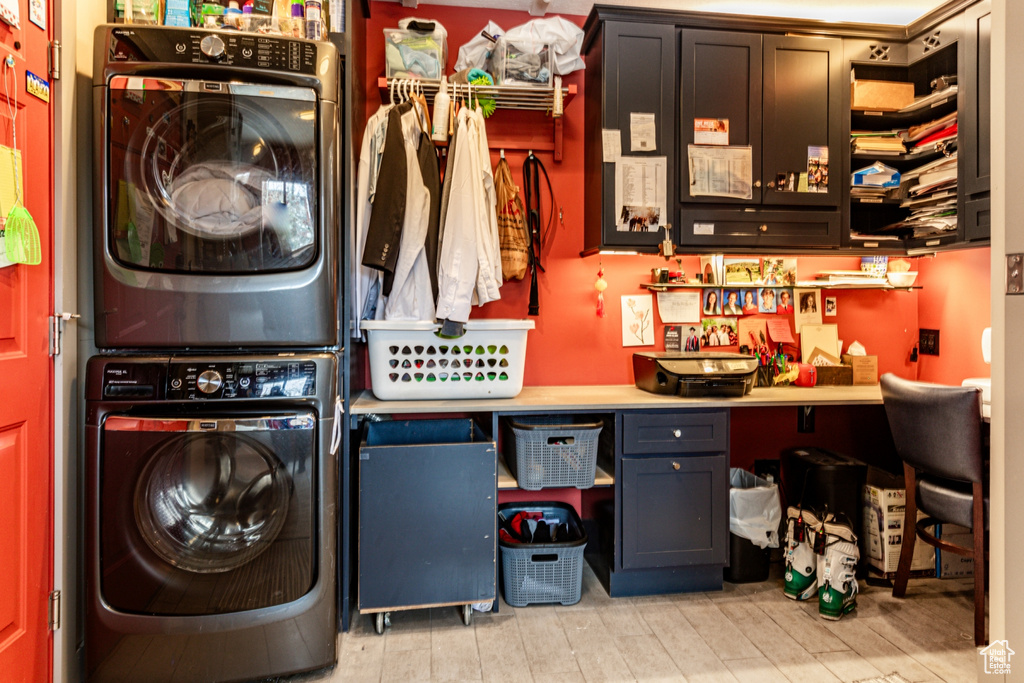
572	345
955	301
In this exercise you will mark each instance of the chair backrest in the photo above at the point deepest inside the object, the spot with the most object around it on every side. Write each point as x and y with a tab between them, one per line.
936	429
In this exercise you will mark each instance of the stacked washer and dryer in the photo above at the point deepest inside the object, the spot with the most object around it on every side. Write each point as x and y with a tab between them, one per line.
210	482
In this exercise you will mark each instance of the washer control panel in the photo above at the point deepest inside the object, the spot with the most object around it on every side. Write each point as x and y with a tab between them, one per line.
195	46
201	379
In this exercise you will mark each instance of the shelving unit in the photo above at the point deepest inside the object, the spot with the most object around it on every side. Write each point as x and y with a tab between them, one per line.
522	98
869	215
670	286
507	480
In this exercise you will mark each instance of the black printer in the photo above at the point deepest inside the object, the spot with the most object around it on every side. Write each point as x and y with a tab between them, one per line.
694	374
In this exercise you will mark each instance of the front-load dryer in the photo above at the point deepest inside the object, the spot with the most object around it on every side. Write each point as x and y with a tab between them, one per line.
210	499
217	189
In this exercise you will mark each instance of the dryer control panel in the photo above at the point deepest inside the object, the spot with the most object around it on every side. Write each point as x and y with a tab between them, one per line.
194	46
197	380
203	379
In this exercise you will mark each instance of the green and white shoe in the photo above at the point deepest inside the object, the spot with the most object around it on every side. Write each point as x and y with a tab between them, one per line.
801	578
837	592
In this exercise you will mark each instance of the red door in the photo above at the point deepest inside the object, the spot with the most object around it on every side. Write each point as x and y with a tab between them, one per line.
26	370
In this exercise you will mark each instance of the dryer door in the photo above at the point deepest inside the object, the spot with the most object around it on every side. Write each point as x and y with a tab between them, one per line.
206	516
208	177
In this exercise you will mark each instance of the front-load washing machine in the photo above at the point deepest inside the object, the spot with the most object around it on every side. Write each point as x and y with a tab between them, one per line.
210	500
216	222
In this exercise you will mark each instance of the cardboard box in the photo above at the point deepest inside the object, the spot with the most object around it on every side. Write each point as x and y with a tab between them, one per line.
883	533
835	375
880	95
865	368
950	565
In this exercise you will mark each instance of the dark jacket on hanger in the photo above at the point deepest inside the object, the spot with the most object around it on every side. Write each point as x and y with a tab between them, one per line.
384	233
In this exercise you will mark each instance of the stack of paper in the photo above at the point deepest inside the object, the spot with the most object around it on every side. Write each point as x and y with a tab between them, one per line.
850	277
882	143
931	100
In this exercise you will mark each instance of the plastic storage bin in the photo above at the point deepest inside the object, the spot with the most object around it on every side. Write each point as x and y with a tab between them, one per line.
522	62
552	451
408	361
543	572
411	54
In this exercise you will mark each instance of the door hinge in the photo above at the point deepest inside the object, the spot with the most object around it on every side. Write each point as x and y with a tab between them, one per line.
57	322
54	610
55	60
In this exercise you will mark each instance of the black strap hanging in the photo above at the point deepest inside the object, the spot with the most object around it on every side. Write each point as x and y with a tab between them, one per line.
532	168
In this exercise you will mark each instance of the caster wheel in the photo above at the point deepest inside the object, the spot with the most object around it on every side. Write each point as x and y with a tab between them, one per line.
381	622
467	614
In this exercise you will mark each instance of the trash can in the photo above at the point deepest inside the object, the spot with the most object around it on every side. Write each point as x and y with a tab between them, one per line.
818	479
755	513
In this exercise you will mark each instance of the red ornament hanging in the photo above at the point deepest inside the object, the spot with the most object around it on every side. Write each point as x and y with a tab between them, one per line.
600	285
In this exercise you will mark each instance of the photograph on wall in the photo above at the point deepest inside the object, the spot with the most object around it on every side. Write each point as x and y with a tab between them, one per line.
783	301
766	300
830	306
742	270
719	332
808	307
712	302
731	302
748	297
712	269
637	320
692	336
817	169
777	271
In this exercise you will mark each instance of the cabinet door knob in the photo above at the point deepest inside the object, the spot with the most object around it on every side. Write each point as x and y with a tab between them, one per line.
771	183
757	183
762	228
675	465
677	433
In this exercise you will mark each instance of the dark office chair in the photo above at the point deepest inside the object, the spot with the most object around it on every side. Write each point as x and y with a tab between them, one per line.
937	431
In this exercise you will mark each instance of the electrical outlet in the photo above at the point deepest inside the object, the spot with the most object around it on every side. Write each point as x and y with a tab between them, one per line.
928	342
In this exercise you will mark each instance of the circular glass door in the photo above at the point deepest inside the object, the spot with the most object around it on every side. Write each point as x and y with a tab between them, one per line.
212	177
211	502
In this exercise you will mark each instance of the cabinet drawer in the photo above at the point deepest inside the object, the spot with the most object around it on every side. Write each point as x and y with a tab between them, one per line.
674	432
724	228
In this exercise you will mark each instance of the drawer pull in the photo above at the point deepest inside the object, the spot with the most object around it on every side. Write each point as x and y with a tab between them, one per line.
675	465
763	228
677	433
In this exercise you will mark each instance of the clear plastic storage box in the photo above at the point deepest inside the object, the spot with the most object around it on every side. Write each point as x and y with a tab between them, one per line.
522	62
412	54
408	361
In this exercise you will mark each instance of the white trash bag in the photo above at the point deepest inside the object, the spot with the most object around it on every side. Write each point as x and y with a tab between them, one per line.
755	511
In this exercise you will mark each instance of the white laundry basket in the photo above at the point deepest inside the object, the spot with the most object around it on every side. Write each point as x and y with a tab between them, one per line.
408	361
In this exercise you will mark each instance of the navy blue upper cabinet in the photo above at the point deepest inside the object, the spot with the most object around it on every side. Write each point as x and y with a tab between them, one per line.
975	156
780	95
630	70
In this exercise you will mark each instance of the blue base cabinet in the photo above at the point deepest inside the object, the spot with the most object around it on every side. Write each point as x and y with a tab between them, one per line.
671	519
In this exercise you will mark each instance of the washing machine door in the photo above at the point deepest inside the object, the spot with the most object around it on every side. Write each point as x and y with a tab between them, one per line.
209	177
206	515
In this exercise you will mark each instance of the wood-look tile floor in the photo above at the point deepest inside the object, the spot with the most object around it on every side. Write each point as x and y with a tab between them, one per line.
746	632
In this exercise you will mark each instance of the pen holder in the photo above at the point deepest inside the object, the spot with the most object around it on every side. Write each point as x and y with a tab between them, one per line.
765	376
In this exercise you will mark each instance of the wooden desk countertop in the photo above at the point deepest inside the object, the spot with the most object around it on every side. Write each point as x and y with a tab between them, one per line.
620	397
